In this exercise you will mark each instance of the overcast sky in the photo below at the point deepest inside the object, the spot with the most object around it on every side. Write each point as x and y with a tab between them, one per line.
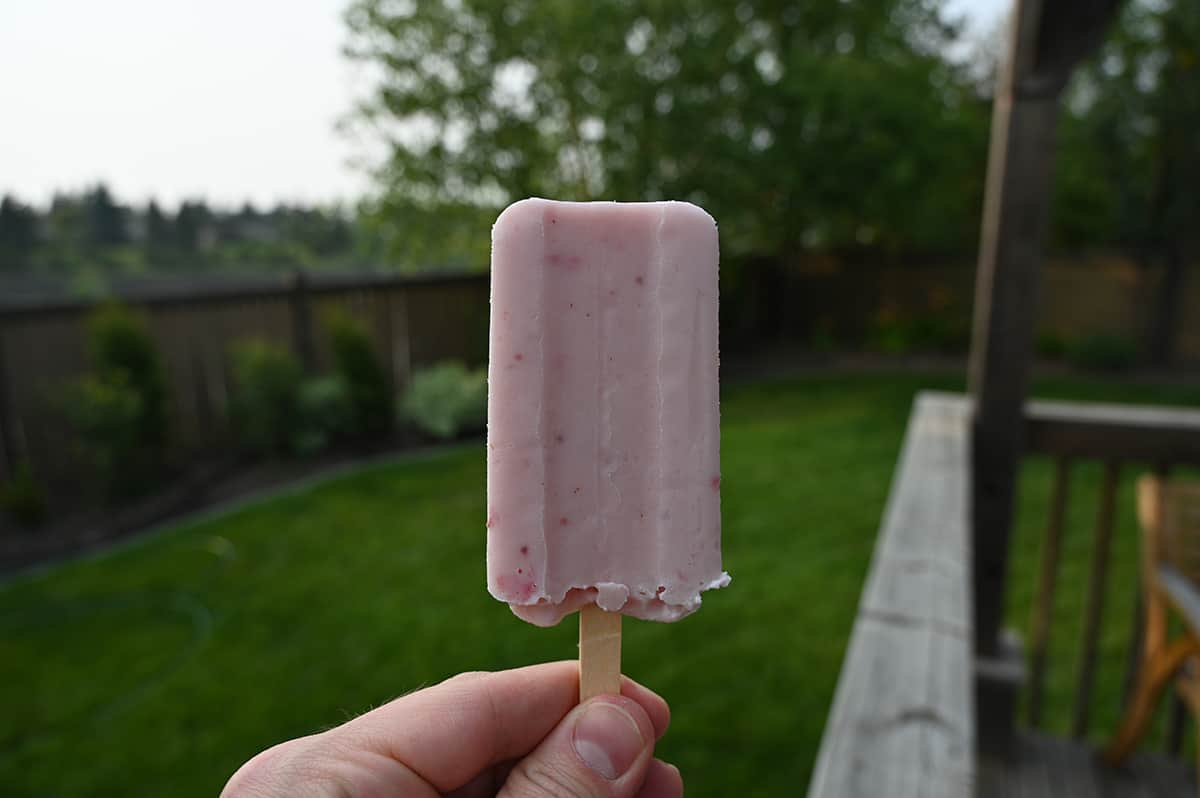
231	100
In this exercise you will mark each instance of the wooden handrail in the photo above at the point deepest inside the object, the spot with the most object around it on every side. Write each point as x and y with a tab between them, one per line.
903	717
1109	432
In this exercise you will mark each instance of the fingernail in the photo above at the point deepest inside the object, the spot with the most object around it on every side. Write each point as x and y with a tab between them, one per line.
607	739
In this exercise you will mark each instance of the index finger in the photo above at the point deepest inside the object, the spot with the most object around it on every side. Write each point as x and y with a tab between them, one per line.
449	733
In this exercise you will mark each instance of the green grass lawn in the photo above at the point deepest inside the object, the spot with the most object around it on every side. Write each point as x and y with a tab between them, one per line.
158	668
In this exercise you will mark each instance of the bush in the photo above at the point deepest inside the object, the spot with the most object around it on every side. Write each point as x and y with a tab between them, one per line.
266	402
1103	352
105	413
892	337
447	400
23	499
120	343
325	412
370	389
119	411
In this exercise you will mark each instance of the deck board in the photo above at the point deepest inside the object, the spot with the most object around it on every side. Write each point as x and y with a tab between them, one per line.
1053	767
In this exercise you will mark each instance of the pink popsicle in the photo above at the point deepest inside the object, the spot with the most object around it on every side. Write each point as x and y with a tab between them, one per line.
603	434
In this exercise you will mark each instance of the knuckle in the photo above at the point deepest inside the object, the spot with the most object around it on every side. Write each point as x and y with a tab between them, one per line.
264	776
537	779
288	770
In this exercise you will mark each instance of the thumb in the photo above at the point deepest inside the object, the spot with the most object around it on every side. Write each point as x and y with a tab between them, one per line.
601	749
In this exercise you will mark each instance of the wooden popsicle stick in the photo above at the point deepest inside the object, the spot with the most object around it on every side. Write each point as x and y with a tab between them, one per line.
599	652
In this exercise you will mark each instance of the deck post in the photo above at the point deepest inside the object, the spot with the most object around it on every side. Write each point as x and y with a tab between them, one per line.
1048	39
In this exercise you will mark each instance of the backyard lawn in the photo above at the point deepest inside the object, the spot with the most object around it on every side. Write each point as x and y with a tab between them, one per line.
158	668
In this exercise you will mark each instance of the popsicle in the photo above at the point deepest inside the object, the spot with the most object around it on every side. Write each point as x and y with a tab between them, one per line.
603	472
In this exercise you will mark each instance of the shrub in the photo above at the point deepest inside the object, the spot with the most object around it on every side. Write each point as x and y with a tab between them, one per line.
266	402
120	343
23	499
325	414
119	411
447	400
892	337
105	414
1103	352
370	389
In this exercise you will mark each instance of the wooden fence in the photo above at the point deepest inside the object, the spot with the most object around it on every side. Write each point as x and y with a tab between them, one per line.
414	322
417	321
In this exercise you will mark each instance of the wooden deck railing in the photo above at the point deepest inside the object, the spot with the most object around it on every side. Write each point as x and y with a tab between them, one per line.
903	720
903	717
1120	437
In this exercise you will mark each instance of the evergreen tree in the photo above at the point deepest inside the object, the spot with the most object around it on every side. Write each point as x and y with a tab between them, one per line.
106	221
18	234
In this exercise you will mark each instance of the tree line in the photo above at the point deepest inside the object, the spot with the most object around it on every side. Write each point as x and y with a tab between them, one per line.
85	238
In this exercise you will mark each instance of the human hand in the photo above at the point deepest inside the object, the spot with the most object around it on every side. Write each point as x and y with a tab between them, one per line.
515	734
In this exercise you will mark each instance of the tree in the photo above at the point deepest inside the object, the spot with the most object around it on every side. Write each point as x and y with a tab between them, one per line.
105	219
18	234
158	227
66	228
192	226
85	239
159	240
797	124
1130	158
1175	205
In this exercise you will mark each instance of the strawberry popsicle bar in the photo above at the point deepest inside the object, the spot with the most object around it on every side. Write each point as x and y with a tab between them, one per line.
603	454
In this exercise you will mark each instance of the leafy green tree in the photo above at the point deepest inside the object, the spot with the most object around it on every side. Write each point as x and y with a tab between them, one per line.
797	124
1129	160
1175	201
18	234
